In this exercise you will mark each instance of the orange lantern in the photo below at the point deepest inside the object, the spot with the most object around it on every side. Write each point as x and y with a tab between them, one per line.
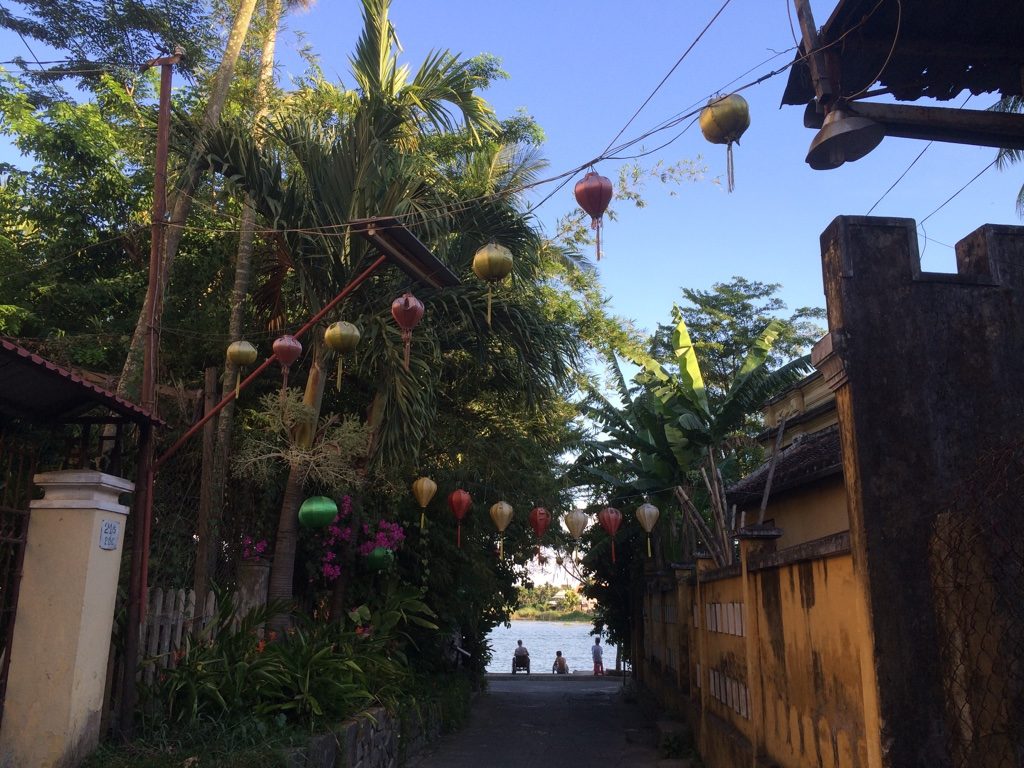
459	501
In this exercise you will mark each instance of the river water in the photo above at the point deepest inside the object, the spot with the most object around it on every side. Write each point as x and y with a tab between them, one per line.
542	639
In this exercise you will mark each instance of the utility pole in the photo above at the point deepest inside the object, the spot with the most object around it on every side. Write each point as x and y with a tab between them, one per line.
143	513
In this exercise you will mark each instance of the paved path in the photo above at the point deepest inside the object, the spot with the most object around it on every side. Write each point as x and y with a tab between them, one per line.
548	720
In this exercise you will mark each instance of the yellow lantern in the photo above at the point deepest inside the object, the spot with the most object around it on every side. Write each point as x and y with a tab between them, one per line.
492	263
424	489
647	514
342	338
241	353
576	521
723	121
501	514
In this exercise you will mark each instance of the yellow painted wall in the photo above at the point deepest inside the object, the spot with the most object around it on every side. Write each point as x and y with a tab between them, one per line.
815	511
810	644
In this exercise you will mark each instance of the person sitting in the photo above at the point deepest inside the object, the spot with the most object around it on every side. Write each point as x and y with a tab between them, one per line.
520	658
561	666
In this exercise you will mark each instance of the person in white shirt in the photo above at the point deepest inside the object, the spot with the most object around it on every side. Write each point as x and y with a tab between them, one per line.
598	653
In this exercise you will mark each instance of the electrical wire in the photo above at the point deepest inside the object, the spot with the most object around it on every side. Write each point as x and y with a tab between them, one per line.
953	196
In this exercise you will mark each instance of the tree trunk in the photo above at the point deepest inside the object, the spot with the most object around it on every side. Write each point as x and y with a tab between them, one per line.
282	569
239	292
128	384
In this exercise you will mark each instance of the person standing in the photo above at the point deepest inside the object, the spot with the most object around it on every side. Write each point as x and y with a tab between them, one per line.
598	653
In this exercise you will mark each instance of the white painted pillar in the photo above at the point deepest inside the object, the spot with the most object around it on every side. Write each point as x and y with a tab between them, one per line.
64	620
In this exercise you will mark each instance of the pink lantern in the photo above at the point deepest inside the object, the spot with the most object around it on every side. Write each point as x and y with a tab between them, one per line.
459	501
540	519
407	311
287	350
610	519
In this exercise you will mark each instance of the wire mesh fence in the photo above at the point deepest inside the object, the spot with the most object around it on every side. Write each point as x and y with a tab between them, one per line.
977	567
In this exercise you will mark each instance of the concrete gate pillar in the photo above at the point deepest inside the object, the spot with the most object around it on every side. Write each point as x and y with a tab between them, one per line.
65	615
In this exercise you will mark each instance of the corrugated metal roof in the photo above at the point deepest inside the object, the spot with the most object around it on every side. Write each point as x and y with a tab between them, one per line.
920	48
34	388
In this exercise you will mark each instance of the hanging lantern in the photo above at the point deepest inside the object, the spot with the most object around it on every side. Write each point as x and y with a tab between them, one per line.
647	514
424	489
342	338
241	354
459	502
610	519
501	514
492	263
407	311
593	193
540	519
723	121
380	559
318	511
287	350
576	521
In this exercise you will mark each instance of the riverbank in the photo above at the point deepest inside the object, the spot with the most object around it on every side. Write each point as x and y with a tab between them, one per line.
532	614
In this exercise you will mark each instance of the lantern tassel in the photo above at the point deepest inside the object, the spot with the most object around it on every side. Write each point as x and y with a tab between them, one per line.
501	547
458	535
595	224
423	518
648	545
238	383
613	550
337	380
488	305
284	384
407	338
731	177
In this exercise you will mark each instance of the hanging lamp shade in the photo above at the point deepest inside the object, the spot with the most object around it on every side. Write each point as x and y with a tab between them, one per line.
647	514
287	350
610	519
593	193
407	311
380	559
492	263
501	514
317	511
540	519
242	354
423	489
723	121
342	338
576	521
459	502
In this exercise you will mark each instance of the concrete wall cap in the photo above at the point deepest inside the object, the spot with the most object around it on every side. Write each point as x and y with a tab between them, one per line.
87	505
83	477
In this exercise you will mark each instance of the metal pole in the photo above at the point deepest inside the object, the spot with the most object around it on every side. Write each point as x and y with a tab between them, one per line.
355	283
144	479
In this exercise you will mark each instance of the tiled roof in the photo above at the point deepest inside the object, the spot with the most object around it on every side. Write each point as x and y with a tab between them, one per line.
808	458
34	388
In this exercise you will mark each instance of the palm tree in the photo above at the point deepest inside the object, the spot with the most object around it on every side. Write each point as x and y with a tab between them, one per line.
1008	157
312	177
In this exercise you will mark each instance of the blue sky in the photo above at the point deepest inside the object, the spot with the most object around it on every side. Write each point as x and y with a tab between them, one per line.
583	68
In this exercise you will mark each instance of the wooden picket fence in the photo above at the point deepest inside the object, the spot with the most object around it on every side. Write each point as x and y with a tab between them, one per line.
170	615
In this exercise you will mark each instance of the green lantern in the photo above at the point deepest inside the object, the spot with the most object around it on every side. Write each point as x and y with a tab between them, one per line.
317	511
380	559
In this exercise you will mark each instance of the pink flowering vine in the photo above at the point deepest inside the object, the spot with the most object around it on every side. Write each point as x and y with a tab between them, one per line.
253	550
340	532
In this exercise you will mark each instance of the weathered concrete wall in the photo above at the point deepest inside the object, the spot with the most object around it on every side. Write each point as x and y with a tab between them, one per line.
810	644
928	371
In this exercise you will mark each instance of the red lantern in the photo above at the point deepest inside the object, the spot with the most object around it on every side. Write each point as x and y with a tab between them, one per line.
593	193
287	350
459	501
540	519
610	519
407	311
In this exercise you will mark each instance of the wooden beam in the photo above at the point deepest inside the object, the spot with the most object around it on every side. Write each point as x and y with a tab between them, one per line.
981	128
